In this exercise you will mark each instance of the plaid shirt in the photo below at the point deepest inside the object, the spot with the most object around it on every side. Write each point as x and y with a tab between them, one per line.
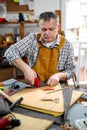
28	47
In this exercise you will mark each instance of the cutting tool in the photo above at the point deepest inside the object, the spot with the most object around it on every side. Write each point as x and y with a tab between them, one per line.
38	83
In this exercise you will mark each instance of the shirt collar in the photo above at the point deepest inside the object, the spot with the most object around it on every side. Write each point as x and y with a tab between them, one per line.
55	44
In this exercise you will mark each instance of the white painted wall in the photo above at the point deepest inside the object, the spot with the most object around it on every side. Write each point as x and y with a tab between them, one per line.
51	5
45	5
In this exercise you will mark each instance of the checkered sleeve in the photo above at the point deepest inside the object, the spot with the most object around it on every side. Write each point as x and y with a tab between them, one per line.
18	50
66	60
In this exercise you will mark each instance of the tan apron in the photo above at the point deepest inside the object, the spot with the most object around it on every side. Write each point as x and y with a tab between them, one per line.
46	64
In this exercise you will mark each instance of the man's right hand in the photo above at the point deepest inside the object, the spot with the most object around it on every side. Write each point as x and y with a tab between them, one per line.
30	75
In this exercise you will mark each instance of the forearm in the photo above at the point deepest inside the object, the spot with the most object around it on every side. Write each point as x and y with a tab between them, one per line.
29	74
55	78
62	76
20	64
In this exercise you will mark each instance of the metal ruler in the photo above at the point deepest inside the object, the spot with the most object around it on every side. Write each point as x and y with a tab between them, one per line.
67	94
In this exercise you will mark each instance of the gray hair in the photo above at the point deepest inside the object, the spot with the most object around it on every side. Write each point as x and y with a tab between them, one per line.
46	16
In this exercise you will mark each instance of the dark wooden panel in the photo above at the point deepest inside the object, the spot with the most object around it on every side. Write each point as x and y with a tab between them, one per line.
15	7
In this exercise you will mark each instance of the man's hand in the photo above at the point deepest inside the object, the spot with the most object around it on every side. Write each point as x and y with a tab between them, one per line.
30	75
55	78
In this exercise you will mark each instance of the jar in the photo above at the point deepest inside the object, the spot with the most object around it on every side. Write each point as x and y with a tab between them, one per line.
17	37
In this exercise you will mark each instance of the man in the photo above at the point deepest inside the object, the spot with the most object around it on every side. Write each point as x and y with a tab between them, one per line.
50	55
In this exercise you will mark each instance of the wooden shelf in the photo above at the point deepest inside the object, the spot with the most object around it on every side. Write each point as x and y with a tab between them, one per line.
15	7
15	22
22	28
5	45
2	45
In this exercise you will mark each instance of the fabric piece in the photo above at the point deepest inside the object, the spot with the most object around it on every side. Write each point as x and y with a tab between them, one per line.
31	123
32	99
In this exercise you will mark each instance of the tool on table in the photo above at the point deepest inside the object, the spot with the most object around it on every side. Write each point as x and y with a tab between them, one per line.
47	89
56	100
67	94
12	86
38	83
14	103
9	87
6	96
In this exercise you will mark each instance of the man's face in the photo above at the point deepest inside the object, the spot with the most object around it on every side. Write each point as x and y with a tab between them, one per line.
49	30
